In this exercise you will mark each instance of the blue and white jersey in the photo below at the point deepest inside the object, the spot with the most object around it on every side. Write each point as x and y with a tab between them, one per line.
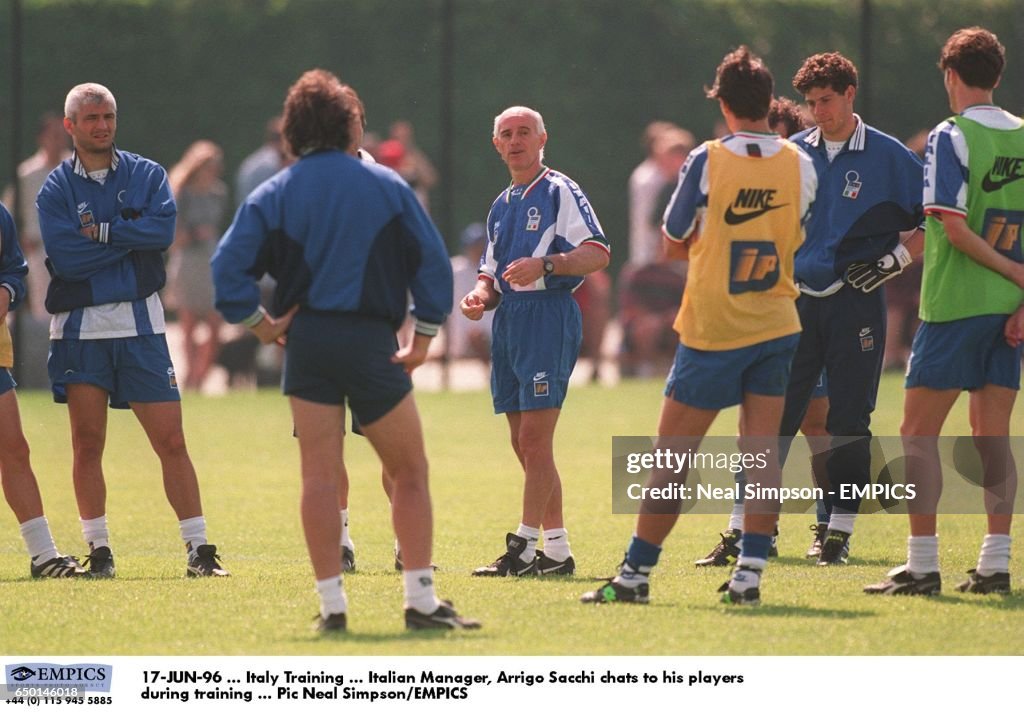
550	215
689	202
867	195
339	235
945	168
106	288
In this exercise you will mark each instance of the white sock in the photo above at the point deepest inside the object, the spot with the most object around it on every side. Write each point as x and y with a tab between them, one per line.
193	532
556	544
532	535
332	596
38	540
842	521
419	590
346	541
632	578
736	517
744	579
95	532
995	555
923	554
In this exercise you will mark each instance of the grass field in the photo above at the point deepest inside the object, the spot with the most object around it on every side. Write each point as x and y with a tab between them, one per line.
248	467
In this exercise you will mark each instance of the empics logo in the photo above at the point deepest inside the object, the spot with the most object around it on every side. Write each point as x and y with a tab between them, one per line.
22	673
751	203
87	676
1005	170
754	266
1001	230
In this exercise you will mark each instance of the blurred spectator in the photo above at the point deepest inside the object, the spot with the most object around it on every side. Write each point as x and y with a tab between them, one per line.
652	287
415	167
594	297
53	143
262	163
202	200
467	339
645	184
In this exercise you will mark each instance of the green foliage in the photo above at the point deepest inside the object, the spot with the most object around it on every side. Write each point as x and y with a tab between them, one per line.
248	467
599	71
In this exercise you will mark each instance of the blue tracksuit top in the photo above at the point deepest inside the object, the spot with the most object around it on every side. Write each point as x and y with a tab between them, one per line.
135	212
13	267
339	235
867	195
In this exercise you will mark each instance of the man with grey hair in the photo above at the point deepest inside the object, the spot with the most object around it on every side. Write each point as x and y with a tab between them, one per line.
542	238
106	218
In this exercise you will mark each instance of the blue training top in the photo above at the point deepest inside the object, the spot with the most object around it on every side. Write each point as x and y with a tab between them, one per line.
339	235
867	195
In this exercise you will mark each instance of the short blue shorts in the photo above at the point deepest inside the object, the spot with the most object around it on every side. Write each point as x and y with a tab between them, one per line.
536	341
129	369
717	380
334	357
963	354
6	380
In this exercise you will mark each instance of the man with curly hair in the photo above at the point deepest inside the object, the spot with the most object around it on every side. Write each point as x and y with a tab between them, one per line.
346	240
867	207
972	312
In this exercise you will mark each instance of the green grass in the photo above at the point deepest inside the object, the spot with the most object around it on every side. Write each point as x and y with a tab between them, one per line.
248	467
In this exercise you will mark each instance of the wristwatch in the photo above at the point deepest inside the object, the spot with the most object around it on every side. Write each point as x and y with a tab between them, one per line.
549	267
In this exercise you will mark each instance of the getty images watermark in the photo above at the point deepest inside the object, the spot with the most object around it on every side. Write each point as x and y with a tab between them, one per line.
707	476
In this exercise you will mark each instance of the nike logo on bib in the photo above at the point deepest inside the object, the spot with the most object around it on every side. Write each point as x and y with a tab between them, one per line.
757	200
732	218
1008	167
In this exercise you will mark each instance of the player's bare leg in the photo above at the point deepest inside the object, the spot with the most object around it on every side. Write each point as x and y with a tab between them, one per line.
162	423
321	430
924	412
990	410
21	491
19	482
681	428
163	426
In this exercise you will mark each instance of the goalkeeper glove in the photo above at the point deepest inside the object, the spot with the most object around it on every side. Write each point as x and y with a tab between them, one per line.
867	276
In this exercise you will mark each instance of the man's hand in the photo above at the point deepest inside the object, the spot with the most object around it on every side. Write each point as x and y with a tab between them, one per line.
1014	329
473	306
413	354
867	276
269	330
524	271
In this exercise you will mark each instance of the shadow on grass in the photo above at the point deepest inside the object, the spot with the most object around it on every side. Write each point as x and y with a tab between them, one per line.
793	611
356	638
1014	601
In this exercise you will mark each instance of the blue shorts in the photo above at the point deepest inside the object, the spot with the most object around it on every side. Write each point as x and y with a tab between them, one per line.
717	380
334	357
536	341
6	380
963	354
129	369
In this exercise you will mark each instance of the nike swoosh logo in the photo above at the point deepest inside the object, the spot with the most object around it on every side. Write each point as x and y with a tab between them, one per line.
540	376
737	218
989	184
